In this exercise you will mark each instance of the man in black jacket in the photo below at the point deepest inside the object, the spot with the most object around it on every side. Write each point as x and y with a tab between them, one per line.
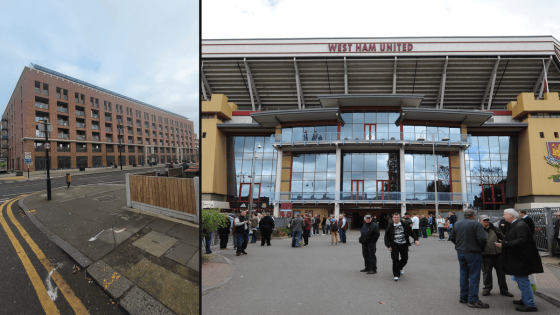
452	219
397	241
266	225
521	259
242	232
528	220
492	258
368	239
470	241
424	226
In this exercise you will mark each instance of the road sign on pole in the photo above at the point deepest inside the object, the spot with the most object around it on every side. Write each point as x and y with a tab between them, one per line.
27	155
47	146
27	160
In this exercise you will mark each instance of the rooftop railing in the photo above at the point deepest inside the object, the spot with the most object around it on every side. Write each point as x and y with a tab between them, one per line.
365	137
42	105
62	109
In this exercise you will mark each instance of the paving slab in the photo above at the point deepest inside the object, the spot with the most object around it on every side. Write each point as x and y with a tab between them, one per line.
138	302
111	281
155	243
175	292
186	233
162	225
182	253
194	263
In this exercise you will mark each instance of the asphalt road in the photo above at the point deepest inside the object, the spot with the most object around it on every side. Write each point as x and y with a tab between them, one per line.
19	295
324	279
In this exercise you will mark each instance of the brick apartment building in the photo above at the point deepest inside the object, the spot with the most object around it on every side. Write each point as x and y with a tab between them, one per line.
85	120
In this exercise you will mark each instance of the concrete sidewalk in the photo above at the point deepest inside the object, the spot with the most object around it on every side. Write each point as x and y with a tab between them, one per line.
148	264
326	279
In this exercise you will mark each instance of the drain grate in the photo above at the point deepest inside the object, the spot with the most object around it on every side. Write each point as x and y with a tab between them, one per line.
107	198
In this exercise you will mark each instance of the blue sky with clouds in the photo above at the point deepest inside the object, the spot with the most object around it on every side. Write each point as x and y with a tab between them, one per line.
146	50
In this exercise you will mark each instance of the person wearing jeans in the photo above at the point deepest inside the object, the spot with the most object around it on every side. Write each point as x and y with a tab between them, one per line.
208	242
297	226
521	258
469	238
441	227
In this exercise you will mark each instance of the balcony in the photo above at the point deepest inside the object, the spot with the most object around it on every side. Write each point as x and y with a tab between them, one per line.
37	90
80	113
95	127
130	142
108	139
42	105
139	141
39	148
57	95
80	125
65	97
108	129
95	138
370	197
368	138
129	123
62	149
95	116
62	109
39	134
81	149
46	92
108	118
110	149
62	122
81	137
62	136
119	121
95	149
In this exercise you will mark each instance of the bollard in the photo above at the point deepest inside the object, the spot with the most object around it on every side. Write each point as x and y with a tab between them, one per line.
68	179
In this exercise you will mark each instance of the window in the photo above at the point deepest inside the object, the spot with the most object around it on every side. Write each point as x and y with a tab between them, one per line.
37	87
556	135
58	92
166	121
542	134
45	89
204	135
159	119
146	116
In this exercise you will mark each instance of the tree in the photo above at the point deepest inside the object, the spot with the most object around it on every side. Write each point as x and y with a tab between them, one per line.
212	220
556	176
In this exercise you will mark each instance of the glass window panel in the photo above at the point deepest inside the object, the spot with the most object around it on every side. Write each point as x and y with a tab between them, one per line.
331	186
430	175
504	145
331	133
455	131
382	118
409	176
308	185
505	168
358	132
347	162
357	175
487	190
331	163
442	131
393	117
370	163
346	185
237	164
273	167
419	176
358	117
483	145
382	175
443	160
308	176
297	164
244	194
409	186
258	166
297	176
494	143
267	146
238	155
258	179
369	186
347	175
370	118
297	186
420	186
331	176
247	156
239	142
321	164
498	194
419	163
420	131
320	176
249	144
394	132
246	167
408	163
347	117
346	132
477	191
267	168
321	186
382	132
357	162
382	159
369	175
429	163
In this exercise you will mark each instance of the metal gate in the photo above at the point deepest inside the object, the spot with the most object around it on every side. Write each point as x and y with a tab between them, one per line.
110	160
64	162
97	161
131	160
40	163
81	161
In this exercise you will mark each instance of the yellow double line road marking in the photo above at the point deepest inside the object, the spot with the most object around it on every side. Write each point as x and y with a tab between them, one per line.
46	302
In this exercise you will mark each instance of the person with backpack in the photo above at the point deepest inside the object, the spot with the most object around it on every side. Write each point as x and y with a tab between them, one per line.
334	230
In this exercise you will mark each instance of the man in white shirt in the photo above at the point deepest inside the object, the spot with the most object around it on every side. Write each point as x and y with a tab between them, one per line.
415	224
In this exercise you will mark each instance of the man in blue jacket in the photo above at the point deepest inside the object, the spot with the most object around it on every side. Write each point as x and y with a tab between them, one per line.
469	238
368	239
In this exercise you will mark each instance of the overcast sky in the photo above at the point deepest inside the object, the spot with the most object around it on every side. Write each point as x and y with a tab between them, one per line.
351	18
141	49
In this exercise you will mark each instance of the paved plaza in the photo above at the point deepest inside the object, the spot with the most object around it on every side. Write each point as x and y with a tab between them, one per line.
324	279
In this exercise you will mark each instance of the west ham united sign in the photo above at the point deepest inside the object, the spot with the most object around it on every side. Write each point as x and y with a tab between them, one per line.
553	157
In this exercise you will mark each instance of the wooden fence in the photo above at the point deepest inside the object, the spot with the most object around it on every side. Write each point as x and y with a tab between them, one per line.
163	194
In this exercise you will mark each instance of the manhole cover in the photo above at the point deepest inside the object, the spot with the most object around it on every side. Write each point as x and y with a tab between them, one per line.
107	198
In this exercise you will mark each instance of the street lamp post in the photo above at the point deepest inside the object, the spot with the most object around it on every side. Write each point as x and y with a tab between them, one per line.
255	155
435	169
47	128
120	146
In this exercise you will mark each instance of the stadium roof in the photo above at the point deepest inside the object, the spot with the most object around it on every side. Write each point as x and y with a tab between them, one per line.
484	73
69	78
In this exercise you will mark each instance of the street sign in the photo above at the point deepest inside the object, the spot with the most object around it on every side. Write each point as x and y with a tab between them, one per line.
27	155
45	127
47	146
27	160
